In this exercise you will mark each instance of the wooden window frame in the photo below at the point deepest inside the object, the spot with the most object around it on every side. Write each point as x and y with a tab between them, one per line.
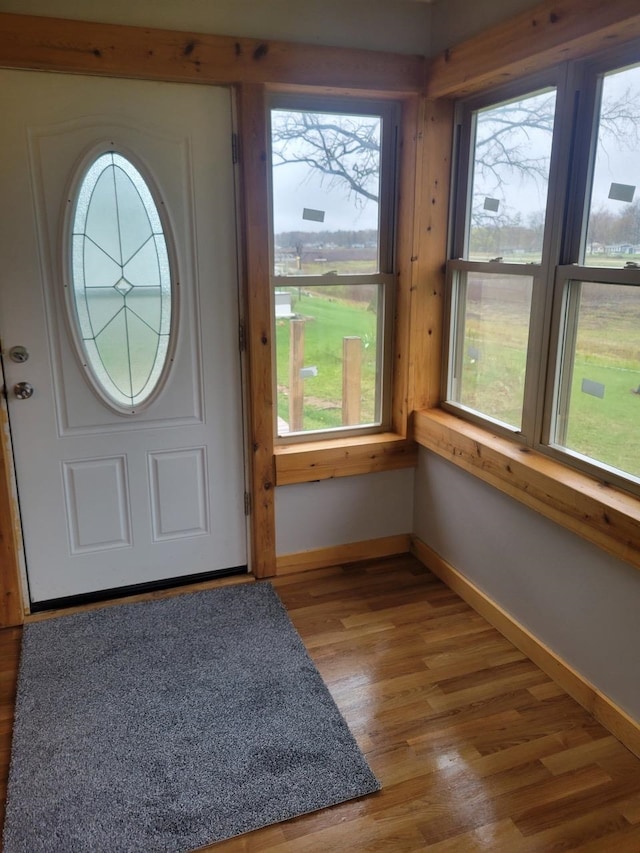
564	230
254	68
531	42
384	277
320	458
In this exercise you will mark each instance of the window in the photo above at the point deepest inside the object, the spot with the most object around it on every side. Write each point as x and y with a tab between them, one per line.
595	406
544	276
333	187
497	276
120	292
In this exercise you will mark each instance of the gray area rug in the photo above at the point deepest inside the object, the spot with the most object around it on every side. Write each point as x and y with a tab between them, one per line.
172	724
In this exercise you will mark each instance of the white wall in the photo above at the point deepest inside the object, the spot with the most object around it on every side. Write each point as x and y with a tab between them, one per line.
574	597
347	509
402	26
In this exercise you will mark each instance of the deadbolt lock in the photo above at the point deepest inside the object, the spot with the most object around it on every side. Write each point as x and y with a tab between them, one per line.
19	354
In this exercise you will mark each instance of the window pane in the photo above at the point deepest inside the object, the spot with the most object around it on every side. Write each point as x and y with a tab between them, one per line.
328	357
491	344
121	282
601	379
326	191
511	153
613	234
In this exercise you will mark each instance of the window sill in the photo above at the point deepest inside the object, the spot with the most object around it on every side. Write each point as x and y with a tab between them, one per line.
605	516
343	457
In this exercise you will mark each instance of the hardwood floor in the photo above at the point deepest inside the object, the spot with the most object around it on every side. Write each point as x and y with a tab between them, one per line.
475	747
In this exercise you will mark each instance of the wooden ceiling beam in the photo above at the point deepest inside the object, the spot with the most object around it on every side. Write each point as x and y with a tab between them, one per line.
81	47
549	33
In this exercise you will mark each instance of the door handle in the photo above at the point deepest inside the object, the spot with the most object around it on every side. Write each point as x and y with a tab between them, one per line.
23	390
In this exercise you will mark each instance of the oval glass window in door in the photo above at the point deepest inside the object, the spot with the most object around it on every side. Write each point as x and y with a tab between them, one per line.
120	283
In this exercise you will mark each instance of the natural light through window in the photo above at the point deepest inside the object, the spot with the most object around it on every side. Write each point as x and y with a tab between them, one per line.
600	388
495	272
512	152
494	331
613	235
332	193
544	273
121	283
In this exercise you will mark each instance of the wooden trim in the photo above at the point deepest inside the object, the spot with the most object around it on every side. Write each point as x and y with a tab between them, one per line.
605	516
408	195
612	717
343	457
255	215
538	38
352	552
115	50
50	44
432	218
11	607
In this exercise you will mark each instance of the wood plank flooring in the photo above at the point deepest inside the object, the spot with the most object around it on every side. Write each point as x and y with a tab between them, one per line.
476	749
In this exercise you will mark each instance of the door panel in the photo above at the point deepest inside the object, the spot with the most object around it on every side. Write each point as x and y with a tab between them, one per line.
110	499
55	153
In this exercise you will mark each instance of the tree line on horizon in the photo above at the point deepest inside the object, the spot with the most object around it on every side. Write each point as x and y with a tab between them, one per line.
346	239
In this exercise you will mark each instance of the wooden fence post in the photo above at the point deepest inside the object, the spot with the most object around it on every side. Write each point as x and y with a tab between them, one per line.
296	382
351	380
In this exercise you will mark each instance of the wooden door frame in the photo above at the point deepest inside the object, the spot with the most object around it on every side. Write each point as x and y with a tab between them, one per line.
252	67
544	35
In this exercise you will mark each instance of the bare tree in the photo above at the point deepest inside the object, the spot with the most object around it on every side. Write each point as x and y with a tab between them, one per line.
343	149
513	142
514	139
602	230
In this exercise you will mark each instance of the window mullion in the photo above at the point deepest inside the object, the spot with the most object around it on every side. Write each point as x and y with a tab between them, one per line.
558	241
459	300
566	348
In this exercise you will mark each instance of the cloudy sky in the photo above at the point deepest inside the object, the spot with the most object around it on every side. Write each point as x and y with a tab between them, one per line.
296	187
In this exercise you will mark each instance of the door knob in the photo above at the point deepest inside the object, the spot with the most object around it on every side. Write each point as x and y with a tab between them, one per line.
23	390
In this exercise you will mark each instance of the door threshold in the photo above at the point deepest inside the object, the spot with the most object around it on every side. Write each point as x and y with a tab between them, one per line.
138	589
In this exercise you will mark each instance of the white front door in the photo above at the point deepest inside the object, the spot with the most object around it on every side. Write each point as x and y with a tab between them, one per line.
111	496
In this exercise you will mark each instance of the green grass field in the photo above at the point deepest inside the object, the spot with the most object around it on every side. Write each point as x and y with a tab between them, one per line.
328	320
607	352
493	367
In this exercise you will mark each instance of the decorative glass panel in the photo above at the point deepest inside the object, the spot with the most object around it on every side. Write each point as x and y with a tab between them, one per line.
121	282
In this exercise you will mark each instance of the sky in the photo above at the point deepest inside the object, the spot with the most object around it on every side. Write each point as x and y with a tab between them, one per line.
618	159
296	186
